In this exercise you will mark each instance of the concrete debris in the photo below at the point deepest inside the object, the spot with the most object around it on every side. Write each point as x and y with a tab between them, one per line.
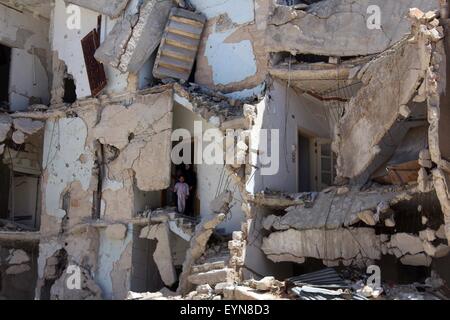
407	243
420	259
18	269
17	257
221	204
212	277
163	252
359	138
440	233
248	294
368	217
179	45
204	289
282	200
266	284
358	245
28	126
136	36
347	209
342	39
197	246
18	137
210	104
427	234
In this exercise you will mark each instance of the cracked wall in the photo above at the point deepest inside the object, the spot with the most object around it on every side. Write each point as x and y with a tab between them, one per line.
370	118
231	57
339	27
112	142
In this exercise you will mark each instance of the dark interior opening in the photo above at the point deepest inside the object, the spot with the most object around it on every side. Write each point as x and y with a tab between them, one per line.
70	94
5	65
5	177
304	164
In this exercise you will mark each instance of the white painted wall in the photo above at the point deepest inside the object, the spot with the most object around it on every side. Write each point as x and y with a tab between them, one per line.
68	45
230	62
64	143
28	36
28	78
300	113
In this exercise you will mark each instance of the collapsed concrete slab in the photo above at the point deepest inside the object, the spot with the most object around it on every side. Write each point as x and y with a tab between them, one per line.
332	210
358	245
341	27
133	39
373	124
111	8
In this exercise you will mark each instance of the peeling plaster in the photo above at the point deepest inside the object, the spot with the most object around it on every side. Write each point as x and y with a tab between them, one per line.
64	143
110	252
218	54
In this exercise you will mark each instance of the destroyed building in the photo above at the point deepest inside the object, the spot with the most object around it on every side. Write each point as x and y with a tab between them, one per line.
340	109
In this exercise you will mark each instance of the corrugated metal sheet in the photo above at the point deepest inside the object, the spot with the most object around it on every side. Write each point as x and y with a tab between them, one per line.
179	45
325	284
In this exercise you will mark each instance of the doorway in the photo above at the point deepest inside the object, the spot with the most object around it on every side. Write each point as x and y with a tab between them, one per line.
5	66
316	163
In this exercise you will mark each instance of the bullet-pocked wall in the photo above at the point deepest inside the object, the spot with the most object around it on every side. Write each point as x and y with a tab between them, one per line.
94	183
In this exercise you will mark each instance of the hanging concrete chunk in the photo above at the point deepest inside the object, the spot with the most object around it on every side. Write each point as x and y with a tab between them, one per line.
134	38
179	45
28	126
112	8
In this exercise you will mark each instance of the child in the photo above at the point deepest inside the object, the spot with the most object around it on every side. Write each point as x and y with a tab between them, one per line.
182	190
